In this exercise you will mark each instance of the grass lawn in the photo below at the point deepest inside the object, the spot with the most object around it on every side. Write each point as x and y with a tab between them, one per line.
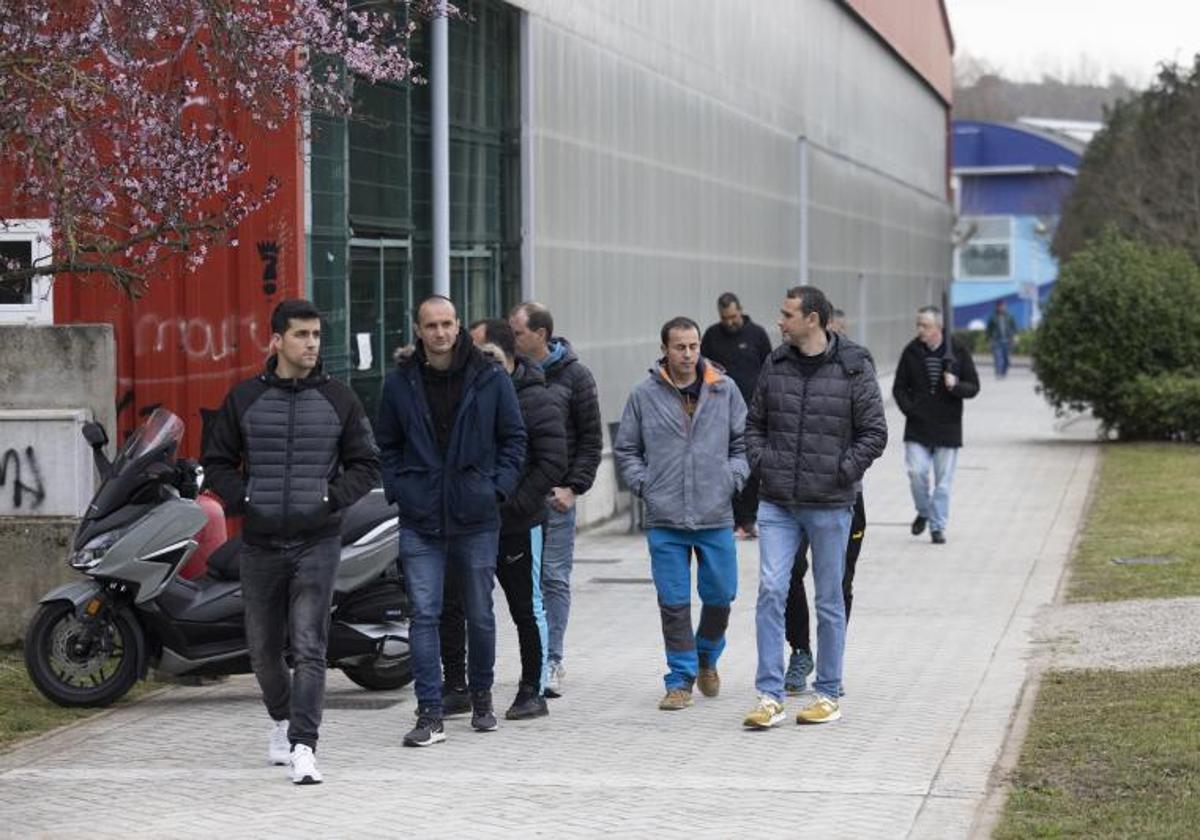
1145	504
24	712
1110	755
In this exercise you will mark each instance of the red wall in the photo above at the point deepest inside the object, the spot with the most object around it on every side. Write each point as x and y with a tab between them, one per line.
919	30
192	336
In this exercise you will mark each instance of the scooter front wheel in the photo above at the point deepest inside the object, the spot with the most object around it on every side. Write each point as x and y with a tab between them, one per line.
381	673
72	672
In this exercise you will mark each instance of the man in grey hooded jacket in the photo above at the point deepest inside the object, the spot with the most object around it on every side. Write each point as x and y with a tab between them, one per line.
680	449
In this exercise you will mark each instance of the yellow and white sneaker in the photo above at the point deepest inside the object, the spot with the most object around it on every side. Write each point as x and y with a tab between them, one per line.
766	714
818	709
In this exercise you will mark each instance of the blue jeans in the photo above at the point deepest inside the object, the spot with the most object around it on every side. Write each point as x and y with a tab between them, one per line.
716	580
1000	350
286	594
780	530
558	556
424	559
920	459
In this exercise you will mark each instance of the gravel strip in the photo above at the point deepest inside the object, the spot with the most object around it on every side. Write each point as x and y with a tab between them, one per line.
1121	635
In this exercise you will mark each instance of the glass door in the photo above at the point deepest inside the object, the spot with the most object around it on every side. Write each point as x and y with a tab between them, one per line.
475	283
379	291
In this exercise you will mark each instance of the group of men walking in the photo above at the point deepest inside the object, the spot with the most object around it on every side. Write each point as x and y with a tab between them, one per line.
486	438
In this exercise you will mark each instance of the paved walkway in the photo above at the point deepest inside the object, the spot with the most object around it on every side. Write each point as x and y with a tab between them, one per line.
937	657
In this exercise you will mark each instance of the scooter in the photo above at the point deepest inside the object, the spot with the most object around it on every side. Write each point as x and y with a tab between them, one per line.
90	641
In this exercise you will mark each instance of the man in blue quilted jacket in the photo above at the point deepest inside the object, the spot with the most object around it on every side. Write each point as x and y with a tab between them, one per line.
289	450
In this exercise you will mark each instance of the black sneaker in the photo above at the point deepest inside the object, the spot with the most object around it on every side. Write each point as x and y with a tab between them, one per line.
918	526
937	537
483	719
428	731
529	704
456	700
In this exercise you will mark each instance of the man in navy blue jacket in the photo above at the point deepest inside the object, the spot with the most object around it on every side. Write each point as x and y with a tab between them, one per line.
453	446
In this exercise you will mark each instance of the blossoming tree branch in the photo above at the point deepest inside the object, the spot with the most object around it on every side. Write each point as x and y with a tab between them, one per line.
118	118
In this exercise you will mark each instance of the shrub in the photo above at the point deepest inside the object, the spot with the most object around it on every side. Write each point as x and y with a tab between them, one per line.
974	340
1163	407
1119	311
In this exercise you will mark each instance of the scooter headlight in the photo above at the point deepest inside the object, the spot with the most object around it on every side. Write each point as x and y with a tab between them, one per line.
96	548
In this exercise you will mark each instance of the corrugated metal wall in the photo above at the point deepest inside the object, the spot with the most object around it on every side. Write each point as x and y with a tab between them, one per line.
666	168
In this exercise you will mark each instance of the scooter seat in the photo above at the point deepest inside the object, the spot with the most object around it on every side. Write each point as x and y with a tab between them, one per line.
226	562
366	514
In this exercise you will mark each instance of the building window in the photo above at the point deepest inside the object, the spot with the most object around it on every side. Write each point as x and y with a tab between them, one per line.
987	254
25	241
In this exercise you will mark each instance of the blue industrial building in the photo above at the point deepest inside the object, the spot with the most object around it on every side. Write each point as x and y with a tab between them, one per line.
1011	181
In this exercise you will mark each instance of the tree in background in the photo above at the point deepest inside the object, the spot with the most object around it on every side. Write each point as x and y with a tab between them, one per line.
1120	336
1141	173
120	119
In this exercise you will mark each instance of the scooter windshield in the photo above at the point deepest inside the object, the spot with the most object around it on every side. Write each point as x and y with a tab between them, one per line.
151	449
160	429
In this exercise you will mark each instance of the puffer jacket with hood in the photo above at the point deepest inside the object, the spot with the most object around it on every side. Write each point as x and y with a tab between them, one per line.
289	454
575	384
544	414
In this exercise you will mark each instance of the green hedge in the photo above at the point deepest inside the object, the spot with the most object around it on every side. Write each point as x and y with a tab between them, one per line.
977	342
1163	407
1120	311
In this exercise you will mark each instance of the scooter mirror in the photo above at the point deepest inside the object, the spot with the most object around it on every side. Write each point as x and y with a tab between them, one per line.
95	435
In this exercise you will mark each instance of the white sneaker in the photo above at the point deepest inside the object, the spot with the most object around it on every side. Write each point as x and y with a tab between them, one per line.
279	749
554	679
304	766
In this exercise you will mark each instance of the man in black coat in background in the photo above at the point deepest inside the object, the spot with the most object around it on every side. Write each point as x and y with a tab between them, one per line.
740	346
519	561
935	374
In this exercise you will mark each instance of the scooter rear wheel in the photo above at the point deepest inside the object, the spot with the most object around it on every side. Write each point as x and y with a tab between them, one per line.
71	676
381	673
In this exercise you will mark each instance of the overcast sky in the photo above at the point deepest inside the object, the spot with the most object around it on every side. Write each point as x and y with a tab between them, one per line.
1090	38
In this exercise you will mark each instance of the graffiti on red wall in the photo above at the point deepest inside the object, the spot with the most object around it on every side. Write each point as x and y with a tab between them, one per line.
198	337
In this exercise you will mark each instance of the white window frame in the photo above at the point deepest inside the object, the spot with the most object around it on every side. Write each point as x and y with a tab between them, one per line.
41	308
986	240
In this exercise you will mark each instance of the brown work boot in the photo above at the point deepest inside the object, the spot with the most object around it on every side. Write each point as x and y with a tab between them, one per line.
709	682
677	699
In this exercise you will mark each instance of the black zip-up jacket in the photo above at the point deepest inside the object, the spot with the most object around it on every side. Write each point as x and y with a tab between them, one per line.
544	413
741	353
934	419
289	454
585	440
811	434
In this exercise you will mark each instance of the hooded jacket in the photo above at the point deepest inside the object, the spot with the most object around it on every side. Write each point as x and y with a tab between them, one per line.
574	383
457	491
544	414
810	435
686	469
289	454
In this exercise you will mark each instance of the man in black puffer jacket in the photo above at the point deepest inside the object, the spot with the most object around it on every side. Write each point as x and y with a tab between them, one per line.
568	377
290	449
815	425
519	561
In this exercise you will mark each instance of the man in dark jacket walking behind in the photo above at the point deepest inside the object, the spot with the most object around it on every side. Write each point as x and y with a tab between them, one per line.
572	382
519	561
453	447
815	425
740	346
680	448
935	374
290	449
